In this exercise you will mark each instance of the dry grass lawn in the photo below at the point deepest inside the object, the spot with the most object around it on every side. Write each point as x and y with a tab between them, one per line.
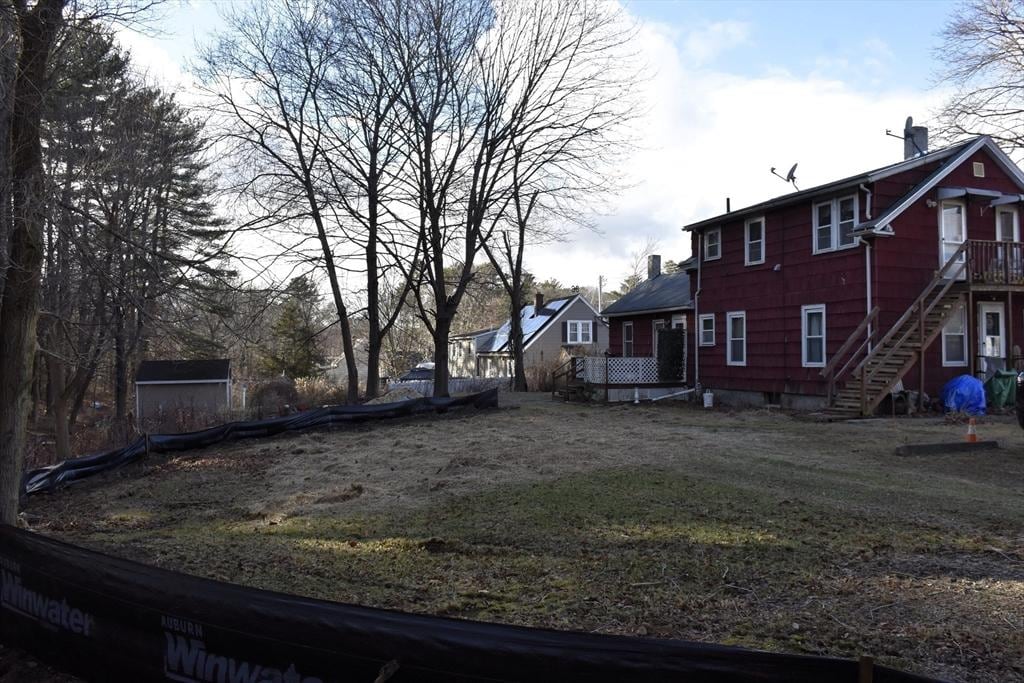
751	528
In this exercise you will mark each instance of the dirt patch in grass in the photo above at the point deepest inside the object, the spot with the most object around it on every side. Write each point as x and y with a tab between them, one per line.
749	528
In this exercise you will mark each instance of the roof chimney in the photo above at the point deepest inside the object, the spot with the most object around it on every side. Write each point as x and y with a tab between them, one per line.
538	302
915	139
653	266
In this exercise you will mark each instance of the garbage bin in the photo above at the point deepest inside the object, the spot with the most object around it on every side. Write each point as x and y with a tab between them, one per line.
1000	389
1020	400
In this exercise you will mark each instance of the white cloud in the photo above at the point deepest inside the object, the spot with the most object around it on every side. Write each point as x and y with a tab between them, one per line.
703	44
707	135
152	59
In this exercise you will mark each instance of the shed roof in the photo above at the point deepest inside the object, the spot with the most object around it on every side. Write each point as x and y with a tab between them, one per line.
212	370
665	292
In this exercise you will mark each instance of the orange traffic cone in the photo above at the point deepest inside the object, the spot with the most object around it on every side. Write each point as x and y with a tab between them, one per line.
972	431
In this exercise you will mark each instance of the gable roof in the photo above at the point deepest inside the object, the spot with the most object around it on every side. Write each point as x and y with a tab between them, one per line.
534	324
472	335
953	155
882	224
211	370
665	292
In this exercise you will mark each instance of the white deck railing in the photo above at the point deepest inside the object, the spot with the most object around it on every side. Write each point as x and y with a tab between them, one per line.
627	370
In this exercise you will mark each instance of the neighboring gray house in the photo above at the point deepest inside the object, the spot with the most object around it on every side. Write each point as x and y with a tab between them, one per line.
548	329
162	386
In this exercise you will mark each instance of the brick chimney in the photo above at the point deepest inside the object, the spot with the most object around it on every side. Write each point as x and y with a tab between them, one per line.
653	266
538	302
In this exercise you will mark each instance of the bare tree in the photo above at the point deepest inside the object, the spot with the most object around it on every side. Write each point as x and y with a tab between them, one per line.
265	79
983	56
492	87
36	29
568	63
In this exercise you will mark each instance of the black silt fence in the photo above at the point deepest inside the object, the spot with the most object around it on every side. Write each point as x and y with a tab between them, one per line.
108	619
46	479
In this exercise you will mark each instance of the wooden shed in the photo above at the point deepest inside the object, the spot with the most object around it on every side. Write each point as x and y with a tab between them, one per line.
162	386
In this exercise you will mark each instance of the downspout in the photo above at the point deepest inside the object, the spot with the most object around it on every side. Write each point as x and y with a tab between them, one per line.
867	261
696	313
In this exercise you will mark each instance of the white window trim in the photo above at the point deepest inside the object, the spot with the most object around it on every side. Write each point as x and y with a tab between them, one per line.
746	241
654	334
729	317
705	244
700	329
961	272
804	310
835	224
1016	221
632	347
679	321
579	332
946	363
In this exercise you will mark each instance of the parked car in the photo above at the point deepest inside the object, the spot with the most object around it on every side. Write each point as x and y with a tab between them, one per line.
422	371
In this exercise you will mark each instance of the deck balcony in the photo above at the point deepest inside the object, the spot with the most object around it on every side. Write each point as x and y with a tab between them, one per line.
994	266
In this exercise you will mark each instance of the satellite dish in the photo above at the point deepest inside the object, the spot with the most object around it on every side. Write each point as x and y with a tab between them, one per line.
789	177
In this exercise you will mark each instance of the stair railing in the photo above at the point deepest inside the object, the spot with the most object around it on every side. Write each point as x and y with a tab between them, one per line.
857	360
829	372
927	296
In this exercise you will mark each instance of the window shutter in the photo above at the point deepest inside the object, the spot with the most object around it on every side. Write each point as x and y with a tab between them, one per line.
565	332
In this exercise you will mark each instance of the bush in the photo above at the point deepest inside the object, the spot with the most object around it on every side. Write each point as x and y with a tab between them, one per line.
319	391
272	397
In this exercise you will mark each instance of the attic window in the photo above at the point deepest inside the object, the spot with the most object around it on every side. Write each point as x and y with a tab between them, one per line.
979	169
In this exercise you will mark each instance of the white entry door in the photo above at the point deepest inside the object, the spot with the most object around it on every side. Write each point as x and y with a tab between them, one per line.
953	233
991	334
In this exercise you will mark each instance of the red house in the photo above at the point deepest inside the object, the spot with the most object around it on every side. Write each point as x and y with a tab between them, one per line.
662	301
837	295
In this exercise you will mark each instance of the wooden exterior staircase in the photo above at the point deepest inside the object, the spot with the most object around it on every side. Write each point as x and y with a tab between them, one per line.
566	383
865	369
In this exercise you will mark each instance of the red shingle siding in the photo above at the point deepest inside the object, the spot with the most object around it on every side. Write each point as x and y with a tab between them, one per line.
902	266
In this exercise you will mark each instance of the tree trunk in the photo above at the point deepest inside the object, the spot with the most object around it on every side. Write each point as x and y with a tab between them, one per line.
442	330
372	301
19	307
516	337
120	370
352	394
59	409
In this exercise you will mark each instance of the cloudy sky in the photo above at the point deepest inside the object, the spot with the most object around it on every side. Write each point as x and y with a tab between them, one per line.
732	89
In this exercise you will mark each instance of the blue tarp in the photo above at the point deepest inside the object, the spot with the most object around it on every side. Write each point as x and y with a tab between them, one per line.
964	394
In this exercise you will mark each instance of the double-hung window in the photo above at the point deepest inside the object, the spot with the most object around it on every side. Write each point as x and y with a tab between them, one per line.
813	335
627	339
707	329
736	330
713	244
580	332
754	242
834	222
954	341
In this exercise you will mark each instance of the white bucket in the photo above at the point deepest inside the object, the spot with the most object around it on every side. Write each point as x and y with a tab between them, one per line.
709	399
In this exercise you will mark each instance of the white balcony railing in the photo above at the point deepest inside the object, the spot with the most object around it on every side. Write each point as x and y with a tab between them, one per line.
601	370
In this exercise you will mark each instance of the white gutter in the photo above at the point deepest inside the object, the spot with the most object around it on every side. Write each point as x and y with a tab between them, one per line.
696	311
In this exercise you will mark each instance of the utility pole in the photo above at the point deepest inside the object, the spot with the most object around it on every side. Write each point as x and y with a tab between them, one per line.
600	290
